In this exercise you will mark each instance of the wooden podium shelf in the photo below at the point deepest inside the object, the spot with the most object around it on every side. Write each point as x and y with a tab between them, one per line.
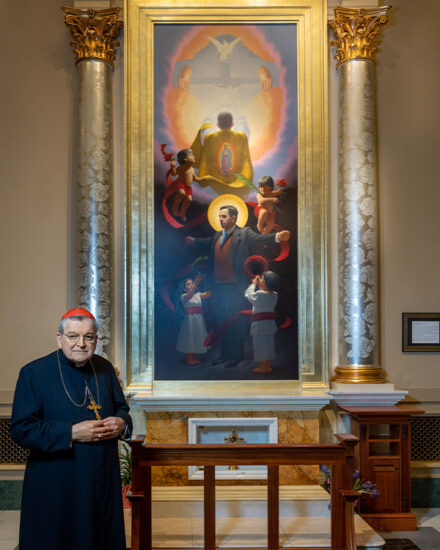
383	457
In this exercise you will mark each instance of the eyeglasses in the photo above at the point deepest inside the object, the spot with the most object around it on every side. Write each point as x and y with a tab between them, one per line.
75	337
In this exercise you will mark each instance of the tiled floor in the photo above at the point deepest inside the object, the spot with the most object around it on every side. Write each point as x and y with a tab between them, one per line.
428	535
251	532
9	522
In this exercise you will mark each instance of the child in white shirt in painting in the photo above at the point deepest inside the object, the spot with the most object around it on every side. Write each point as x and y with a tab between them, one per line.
263	297
193	331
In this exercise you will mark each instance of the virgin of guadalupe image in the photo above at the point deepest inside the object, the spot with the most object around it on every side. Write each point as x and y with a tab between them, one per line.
226	160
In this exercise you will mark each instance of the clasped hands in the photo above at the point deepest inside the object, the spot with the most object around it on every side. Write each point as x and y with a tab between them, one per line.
96	430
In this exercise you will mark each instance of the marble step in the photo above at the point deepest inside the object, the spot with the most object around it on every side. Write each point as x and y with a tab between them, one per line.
240	501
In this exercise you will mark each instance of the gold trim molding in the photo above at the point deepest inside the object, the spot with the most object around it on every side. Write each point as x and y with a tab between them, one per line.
359	374
356	32
94	33
142	19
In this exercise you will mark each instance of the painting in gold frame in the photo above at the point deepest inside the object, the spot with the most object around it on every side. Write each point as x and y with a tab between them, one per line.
146	23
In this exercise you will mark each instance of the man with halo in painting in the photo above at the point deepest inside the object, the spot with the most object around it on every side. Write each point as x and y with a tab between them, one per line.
227	251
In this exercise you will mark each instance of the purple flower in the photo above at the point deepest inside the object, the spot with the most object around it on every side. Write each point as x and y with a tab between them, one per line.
360	485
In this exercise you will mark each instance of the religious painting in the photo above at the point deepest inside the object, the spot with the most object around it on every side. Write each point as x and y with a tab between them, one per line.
225	140
226	214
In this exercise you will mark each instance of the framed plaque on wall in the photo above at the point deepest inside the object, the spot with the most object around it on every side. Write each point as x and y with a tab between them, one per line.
421	332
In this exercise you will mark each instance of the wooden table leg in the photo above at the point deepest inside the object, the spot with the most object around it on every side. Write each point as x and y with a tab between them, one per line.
209	507
141	528
273	508
337	508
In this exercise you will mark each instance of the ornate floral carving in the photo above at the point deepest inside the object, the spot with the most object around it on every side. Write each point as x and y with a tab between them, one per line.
94	33
357	219
356	32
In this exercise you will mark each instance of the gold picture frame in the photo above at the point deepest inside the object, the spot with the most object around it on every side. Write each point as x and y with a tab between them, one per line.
310	17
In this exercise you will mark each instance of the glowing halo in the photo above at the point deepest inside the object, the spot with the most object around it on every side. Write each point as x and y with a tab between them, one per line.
227	200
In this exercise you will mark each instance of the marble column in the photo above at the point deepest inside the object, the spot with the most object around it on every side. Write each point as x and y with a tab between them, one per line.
356	39
95	35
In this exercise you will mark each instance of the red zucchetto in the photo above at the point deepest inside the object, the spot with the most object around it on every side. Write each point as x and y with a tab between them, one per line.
76	312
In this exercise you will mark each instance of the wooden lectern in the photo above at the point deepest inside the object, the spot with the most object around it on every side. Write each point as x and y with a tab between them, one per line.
383	457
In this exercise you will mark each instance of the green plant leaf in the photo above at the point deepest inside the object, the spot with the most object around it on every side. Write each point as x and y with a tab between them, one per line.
125	463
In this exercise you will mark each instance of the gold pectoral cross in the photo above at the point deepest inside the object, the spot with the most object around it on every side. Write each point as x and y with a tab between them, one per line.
94	407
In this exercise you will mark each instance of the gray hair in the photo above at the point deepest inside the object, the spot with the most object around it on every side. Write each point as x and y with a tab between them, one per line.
76	318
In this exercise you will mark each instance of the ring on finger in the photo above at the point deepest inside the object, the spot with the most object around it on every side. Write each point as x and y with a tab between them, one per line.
99	436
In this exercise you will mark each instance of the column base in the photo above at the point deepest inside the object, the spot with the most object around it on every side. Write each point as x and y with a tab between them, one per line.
366	395
360	374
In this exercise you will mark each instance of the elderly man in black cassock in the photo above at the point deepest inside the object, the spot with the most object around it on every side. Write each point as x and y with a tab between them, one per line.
69	411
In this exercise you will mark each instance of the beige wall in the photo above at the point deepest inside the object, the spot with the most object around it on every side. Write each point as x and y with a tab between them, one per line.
36	99
409	146
37	103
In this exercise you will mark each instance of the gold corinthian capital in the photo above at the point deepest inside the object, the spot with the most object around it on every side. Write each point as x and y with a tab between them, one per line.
356	32
94	32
